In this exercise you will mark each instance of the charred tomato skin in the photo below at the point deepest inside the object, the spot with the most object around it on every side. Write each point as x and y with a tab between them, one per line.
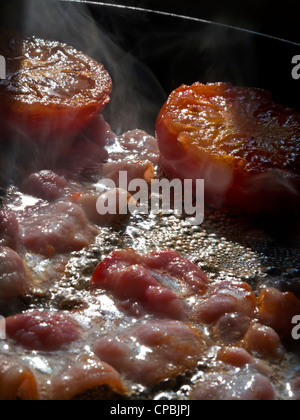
243	144
51	91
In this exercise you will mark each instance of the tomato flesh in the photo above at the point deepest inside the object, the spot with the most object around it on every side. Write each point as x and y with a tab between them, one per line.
245	146
51	91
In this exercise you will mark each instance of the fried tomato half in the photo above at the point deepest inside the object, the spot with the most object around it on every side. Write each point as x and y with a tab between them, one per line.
51	91
244	145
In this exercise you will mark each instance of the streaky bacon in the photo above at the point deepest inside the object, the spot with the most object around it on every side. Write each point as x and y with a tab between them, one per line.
17	382
165	262
277	310
264	341
170	263
235	356
149	279
240	385
57	229
153	351
14	280
84	376
45	184
43	331
9	231
227	297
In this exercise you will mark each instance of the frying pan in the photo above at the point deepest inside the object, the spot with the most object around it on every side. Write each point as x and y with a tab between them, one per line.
148	55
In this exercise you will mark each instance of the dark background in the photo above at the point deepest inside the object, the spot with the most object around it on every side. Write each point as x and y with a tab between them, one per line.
277	18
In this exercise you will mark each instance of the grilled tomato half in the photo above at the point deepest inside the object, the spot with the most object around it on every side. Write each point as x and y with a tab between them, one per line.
51	91
243	144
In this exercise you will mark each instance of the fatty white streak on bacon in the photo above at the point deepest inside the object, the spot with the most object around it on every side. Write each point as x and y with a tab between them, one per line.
157	282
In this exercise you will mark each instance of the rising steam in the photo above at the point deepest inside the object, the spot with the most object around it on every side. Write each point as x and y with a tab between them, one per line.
137	94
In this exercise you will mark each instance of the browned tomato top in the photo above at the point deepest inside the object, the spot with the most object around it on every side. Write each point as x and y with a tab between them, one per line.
239	126
48	73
